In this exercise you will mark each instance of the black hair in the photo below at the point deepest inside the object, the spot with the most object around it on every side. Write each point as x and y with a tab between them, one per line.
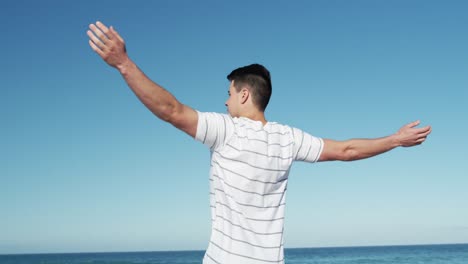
257	79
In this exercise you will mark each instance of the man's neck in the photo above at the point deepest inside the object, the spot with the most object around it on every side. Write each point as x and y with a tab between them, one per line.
256	116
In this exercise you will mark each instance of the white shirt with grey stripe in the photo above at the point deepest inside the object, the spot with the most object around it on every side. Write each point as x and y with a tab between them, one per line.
250	165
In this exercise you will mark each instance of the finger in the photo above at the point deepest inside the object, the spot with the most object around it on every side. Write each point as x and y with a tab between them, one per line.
421	140
426	133
115	33
103	28
422	129
97	32
96	48
413	124
96	40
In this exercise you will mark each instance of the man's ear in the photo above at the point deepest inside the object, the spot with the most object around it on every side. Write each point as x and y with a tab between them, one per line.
244	93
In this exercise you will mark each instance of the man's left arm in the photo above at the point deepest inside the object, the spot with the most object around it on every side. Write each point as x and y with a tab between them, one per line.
108	44
355	149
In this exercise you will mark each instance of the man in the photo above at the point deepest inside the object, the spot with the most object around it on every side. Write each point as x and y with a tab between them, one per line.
251	156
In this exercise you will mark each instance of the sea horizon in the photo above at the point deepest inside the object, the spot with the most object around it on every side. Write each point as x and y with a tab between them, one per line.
199	250
377	254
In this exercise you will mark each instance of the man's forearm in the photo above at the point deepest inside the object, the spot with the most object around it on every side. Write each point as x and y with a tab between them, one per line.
365	148
157	99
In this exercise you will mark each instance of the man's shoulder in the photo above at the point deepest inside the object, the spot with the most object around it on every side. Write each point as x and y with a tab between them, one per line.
279	128
213	116
271	128
244	122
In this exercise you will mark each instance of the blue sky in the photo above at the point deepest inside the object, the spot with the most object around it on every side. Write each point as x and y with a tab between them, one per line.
86	167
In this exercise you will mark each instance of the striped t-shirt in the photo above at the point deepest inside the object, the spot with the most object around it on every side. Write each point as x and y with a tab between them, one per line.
250	164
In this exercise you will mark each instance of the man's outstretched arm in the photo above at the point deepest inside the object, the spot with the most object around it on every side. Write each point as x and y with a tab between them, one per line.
355	149
111	47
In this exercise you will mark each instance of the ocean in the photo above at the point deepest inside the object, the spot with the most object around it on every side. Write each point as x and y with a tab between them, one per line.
423	254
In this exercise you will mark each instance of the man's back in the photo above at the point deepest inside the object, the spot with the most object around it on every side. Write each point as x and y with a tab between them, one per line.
250	164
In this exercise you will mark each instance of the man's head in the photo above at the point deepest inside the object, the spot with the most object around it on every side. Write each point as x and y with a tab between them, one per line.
252	81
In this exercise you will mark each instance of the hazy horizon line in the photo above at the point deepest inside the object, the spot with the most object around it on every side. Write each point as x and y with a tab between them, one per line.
198	250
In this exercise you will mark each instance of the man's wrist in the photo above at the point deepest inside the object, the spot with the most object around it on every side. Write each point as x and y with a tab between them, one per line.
125	66
395	141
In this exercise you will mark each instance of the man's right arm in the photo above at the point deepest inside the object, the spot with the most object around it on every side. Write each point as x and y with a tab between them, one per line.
355	149
111	47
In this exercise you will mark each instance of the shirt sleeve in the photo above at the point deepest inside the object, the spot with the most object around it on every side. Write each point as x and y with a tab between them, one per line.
213	129
306	147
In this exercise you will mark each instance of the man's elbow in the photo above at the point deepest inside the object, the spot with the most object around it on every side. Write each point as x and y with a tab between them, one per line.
176	115
350	155
339	151
345	155
170	113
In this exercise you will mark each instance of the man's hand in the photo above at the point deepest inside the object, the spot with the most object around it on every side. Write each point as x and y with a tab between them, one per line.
108	44
409	136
